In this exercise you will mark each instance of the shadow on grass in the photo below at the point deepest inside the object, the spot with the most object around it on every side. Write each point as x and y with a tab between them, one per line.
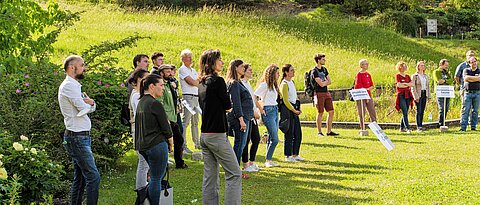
328	146
375	139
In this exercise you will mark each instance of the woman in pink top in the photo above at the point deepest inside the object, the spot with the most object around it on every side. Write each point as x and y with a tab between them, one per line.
364	80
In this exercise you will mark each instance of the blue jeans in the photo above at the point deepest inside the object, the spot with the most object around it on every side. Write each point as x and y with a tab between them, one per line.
404	104
443	109
421	104
157	158
86	174
470	99
240	140
270	119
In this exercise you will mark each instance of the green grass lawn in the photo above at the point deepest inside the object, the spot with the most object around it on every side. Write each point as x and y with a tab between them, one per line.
423	168
257	38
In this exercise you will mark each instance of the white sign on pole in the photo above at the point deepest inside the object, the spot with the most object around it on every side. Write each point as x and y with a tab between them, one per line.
359	94
431	25
445	91
381	135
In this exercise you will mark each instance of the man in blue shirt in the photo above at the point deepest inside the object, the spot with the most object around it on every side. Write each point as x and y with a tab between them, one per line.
459	72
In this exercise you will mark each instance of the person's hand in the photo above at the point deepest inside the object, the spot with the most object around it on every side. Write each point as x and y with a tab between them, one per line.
256	115
243	125
297	112
89	101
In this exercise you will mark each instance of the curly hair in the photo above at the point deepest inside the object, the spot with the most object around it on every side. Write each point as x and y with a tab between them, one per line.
269	77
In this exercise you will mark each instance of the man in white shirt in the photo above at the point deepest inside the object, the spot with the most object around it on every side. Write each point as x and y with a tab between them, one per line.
189	82
74	107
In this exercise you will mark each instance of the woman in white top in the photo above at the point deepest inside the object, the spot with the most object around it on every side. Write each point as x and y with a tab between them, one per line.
267	91
289	112
142	167
420	92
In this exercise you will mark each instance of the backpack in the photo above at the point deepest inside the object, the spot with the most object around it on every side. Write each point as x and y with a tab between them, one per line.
308	78
125	115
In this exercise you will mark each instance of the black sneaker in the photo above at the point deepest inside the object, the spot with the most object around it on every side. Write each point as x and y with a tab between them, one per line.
473	129
184	166
462	130
320	134
331	133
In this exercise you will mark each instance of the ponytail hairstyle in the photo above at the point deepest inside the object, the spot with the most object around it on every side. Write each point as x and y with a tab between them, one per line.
147	81
232	71
269	77
132	80
207	63
285	70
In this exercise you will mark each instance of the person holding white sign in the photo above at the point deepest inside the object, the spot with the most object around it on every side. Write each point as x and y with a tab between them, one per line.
364	80
404	98
421	93
442	76
471	77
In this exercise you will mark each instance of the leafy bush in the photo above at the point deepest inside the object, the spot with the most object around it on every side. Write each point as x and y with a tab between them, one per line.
326	11
31	171
402	22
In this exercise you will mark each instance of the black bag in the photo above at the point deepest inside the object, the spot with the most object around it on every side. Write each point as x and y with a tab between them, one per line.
285	114
125	115
307	81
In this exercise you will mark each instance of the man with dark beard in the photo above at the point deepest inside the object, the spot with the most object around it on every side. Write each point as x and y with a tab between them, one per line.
168	100
74	107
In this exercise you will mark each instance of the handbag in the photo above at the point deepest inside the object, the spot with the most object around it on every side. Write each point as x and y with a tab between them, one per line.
166	196
125	115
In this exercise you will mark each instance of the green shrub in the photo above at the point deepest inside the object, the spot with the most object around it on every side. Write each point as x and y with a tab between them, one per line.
399	21
326	11
29	165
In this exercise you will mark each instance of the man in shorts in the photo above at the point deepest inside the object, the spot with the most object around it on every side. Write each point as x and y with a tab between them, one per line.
322	98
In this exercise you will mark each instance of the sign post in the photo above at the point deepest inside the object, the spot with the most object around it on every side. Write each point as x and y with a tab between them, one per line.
381	135
361	94
445	91
432	26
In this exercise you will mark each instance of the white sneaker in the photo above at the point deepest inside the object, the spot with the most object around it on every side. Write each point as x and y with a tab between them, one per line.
255	166
290	159
268	164
271	164
249	169
409	131
298	158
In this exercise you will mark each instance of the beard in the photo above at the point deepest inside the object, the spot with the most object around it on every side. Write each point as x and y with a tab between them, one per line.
80	76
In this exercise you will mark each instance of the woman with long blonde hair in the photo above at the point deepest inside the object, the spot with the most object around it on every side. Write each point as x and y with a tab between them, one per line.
420	92
267	91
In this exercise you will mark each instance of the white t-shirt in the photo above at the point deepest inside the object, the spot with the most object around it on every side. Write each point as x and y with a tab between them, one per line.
250	90
292	92
184	72
423	81
269	97
134	99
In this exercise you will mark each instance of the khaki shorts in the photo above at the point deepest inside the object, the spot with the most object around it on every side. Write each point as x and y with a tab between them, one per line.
324	102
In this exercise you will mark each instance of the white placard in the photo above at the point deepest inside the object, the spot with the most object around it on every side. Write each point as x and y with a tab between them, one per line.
381	135
359	94
431	25
189	107
445	91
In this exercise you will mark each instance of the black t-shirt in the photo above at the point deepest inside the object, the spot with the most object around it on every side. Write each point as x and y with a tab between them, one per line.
321	73
471	86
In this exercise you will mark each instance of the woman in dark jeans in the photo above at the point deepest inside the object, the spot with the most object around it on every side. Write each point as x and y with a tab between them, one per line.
404	96
289	112
216	149
248	159
420	92
242	104
152	133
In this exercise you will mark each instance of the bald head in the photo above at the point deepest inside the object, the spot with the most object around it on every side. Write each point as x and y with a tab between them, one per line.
70	60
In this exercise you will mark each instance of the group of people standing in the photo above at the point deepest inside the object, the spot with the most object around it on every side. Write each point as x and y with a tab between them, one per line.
415	89
231	107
